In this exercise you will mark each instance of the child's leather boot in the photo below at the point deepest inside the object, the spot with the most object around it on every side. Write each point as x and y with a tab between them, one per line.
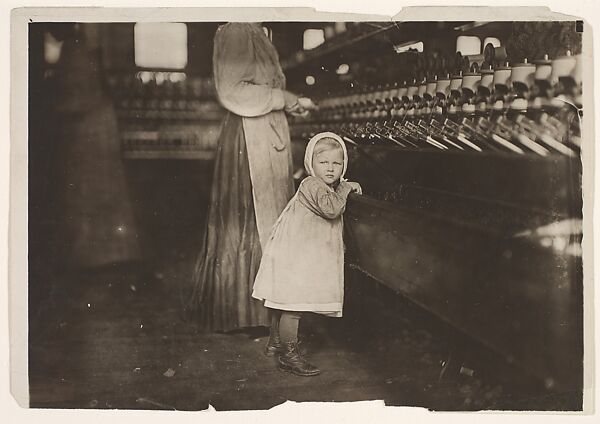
274	344
292	361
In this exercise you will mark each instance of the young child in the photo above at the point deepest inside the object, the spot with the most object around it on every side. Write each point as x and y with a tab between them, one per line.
302	267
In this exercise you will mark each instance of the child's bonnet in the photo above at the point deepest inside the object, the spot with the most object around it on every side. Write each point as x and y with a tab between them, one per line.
308	155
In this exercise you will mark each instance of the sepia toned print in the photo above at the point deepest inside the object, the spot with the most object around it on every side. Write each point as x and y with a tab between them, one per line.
161	155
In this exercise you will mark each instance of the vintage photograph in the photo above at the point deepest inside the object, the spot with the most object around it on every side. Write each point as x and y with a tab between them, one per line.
237	214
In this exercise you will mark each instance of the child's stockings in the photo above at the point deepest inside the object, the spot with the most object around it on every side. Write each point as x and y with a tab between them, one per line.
291	359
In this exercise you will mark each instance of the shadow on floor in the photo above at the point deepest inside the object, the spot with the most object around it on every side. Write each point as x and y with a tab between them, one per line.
115	339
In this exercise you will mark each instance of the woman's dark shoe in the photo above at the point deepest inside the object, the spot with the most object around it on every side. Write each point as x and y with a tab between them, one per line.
292	361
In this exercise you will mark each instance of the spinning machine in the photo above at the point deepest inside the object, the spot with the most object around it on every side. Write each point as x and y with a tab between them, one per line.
472	204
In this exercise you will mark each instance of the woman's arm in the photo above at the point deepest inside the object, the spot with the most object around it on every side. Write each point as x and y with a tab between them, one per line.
234	70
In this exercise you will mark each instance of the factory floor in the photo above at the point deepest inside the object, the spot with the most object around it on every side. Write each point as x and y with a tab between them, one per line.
114	339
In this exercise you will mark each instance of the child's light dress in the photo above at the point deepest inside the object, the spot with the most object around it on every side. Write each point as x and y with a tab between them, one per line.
302	267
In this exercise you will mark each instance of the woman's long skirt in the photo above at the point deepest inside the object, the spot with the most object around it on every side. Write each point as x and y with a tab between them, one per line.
230	255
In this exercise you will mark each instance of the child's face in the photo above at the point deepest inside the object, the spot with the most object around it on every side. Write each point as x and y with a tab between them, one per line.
328	165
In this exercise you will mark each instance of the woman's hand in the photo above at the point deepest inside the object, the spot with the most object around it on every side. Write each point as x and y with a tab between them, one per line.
300	113
290	101
355	187
306	103
297	106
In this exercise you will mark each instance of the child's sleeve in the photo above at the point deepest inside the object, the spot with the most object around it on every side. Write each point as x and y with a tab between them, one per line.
323	201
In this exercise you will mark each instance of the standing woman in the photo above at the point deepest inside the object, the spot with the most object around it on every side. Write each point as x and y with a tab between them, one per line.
98	225
252	180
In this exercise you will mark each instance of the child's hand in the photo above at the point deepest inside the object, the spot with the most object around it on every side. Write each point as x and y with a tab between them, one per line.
356	188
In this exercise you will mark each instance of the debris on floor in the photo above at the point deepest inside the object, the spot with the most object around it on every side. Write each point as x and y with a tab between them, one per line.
169	373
